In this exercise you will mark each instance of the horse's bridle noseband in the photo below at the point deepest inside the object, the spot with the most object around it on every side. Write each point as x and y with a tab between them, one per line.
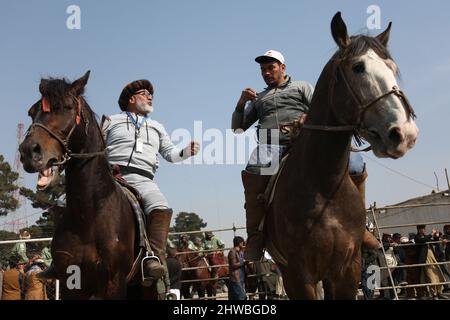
395	90
64	142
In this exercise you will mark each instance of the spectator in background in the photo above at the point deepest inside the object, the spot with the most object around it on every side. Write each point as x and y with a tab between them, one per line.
368	258
185	243
399	274
236	268
46	255
20	248
430	273
175	270
1	279
35	288
446	236
439	253
199	246
170	244
413	273
388	260
12	288
211	242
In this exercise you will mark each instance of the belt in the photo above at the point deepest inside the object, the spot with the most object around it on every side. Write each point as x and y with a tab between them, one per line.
127	170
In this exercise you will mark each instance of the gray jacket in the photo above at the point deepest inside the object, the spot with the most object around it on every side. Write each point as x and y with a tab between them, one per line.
275	106
119	133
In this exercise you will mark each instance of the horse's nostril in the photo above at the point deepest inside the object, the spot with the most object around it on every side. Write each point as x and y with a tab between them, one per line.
396	135
36	151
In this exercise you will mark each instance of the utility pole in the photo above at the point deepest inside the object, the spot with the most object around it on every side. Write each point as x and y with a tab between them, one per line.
446	175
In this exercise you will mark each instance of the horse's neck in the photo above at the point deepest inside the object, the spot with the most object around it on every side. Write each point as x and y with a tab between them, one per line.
88	181
324	153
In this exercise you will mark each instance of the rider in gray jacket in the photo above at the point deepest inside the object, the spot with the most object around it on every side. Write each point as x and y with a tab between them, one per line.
133	142
282	102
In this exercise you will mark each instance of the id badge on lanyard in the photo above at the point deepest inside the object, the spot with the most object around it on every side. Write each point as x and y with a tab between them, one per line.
139	146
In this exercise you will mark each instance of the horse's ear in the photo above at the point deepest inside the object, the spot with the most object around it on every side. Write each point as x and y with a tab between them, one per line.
78	85
339	31
42	86
33	110
384	36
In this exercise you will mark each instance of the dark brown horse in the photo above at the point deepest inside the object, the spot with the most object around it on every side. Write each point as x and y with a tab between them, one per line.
198	271
317	219
218	259
96	233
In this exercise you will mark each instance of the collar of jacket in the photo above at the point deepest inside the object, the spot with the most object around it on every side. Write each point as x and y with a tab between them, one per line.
283	85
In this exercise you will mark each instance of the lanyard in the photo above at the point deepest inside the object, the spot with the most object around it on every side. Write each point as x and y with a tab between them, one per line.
137	125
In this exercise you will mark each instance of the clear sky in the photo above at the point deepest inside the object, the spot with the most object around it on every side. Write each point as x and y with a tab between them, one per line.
199	55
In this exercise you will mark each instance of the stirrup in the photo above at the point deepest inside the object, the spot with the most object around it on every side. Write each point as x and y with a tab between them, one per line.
147	281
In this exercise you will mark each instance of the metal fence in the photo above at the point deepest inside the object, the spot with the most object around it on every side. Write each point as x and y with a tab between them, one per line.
35	246
409	290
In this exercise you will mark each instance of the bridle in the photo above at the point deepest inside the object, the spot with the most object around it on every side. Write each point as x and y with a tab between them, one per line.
64	142
359	126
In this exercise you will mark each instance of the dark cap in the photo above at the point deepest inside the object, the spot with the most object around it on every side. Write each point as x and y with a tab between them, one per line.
130	89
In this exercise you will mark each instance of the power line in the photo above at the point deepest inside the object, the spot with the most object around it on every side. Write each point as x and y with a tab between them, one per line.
398	172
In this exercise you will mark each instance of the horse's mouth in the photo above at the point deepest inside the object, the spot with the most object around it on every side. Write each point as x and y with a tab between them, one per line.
47	176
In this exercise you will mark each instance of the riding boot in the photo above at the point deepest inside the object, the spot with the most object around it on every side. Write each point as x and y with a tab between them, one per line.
49	273
359	180
369	241
254	186
157	229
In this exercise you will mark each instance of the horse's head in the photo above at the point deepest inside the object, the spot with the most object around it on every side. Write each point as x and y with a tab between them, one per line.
55	117
366	93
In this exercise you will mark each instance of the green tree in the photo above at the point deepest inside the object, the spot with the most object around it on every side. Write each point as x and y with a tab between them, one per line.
5	249
8	185
188	221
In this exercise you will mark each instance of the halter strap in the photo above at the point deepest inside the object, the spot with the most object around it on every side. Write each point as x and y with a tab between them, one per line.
360	123
68	154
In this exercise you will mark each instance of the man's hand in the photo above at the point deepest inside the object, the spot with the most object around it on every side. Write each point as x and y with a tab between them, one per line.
192	149
246	95
300	120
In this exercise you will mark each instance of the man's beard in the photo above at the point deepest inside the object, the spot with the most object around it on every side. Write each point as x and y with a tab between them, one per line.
144	108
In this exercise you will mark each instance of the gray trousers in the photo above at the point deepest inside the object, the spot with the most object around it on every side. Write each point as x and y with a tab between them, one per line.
151	195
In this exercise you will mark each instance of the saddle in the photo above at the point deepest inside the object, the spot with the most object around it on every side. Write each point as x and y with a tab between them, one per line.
115	170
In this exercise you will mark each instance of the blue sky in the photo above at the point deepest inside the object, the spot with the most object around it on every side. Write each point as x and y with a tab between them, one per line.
199	55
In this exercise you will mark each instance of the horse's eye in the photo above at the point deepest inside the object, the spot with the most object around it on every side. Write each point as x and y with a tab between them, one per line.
359	67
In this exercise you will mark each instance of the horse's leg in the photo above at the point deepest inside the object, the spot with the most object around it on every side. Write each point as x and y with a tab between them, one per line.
72	294
185	290
346	285
149	293
116	288
329	290
201	289
301	283
284	276
211	288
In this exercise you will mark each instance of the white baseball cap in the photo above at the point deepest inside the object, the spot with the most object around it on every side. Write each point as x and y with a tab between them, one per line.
269	55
